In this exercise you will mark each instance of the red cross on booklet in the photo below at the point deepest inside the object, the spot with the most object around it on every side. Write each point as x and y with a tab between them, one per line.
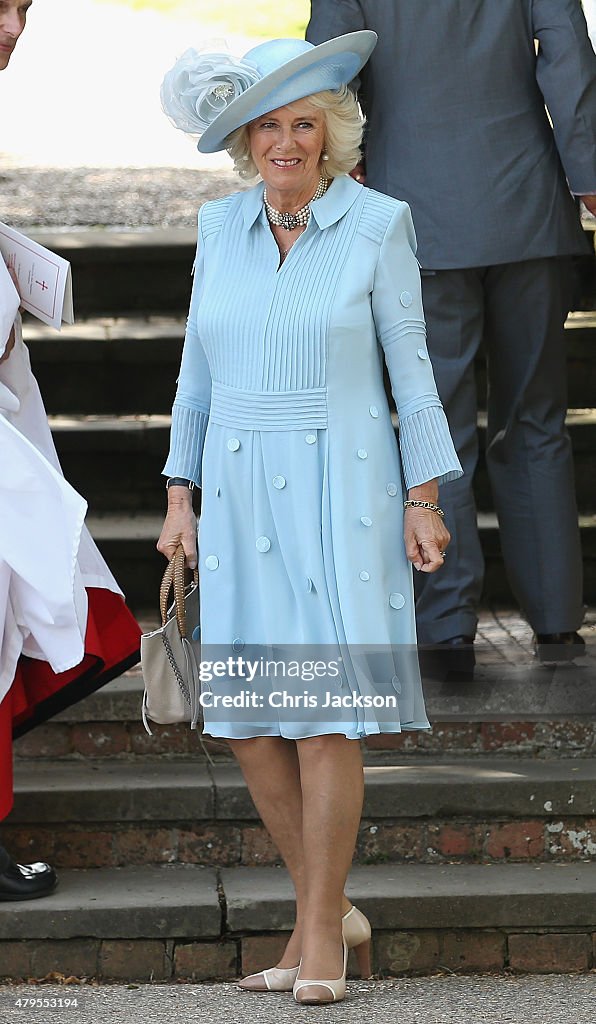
45	281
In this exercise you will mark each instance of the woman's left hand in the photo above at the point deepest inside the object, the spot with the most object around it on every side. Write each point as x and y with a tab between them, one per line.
426	538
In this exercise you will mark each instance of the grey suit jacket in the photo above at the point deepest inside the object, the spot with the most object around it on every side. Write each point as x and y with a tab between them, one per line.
455	97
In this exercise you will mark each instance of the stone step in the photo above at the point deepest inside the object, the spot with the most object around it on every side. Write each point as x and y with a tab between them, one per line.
116	272
193	923
116	461
127	542
127	272
114	814
107	366
129	365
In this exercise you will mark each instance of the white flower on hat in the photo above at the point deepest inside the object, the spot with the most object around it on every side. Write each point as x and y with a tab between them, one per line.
201	85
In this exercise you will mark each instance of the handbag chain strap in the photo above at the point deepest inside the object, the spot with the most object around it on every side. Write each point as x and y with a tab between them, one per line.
173	578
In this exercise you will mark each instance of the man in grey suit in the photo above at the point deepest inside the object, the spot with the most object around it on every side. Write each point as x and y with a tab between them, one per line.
455	96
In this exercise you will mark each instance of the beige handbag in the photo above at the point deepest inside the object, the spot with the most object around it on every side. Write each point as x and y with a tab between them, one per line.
170	658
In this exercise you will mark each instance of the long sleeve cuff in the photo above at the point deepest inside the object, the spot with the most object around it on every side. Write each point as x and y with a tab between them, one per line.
427	450
187	438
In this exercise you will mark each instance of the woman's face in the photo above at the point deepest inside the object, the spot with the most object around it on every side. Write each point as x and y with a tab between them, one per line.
286	146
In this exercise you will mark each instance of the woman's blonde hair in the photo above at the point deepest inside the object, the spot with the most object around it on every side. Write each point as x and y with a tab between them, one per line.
344	125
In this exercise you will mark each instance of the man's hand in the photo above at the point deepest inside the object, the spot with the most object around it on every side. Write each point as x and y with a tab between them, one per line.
359	174
589	202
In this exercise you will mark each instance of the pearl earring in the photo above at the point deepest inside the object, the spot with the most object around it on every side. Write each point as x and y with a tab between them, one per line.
324	156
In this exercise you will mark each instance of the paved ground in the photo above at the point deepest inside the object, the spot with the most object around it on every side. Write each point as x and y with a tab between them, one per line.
550	999
88	197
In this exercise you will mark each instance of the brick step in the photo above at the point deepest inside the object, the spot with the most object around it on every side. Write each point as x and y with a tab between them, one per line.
127	542
116	461
129	365
117	814
514	707
188	922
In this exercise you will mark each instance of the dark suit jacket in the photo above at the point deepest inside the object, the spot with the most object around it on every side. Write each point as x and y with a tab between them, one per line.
455	96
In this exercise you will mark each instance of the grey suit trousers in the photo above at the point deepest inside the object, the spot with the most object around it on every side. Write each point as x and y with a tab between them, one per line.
518	310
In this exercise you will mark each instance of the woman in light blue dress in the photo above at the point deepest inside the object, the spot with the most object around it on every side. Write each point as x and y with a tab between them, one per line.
303	286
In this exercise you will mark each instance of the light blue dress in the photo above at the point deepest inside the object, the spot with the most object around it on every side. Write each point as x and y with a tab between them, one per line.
281	416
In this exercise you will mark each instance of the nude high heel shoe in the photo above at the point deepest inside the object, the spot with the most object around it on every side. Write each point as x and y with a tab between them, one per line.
336	986
274	979
356	932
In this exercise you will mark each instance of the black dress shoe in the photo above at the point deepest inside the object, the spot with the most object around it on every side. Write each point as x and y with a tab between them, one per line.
24	881
559	647
452	660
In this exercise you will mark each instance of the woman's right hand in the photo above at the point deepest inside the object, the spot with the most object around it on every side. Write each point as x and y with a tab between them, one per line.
180	526
9	345
12	336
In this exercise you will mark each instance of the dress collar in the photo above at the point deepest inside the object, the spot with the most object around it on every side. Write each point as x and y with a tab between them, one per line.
339	197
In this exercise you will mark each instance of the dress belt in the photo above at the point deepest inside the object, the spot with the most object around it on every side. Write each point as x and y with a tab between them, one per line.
268	410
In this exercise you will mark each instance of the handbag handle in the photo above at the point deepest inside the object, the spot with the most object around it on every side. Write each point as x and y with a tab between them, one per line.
173	577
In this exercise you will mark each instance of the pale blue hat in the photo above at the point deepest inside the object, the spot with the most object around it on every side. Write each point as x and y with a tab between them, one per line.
209	95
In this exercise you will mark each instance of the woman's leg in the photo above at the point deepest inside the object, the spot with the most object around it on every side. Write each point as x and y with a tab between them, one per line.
332	782
270	767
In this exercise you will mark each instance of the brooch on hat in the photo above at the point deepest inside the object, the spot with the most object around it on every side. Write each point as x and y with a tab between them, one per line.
201	85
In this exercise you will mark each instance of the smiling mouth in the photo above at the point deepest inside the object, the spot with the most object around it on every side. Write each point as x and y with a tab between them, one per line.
286	163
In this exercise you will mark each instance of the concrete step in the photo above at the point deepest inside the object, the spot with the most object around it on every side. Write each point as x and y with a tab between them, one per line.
127	542
489	811
116	461
188	922
128	365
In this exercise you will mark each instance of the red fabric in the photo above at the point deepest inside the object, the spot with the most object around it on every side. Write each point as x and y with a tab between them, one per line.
6	716
112	638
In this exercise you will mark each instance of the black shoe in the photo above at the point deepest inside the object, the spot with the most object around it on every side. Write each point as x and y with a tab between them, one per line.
452	660
24	881
559	647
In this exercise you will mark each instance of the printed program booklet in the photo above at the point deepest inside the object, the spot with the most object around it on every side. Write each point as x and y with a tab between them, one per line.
45	280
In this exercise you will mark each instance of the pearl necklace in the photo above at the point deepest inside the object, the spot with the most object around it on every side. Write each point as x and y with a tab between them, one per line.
290	221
